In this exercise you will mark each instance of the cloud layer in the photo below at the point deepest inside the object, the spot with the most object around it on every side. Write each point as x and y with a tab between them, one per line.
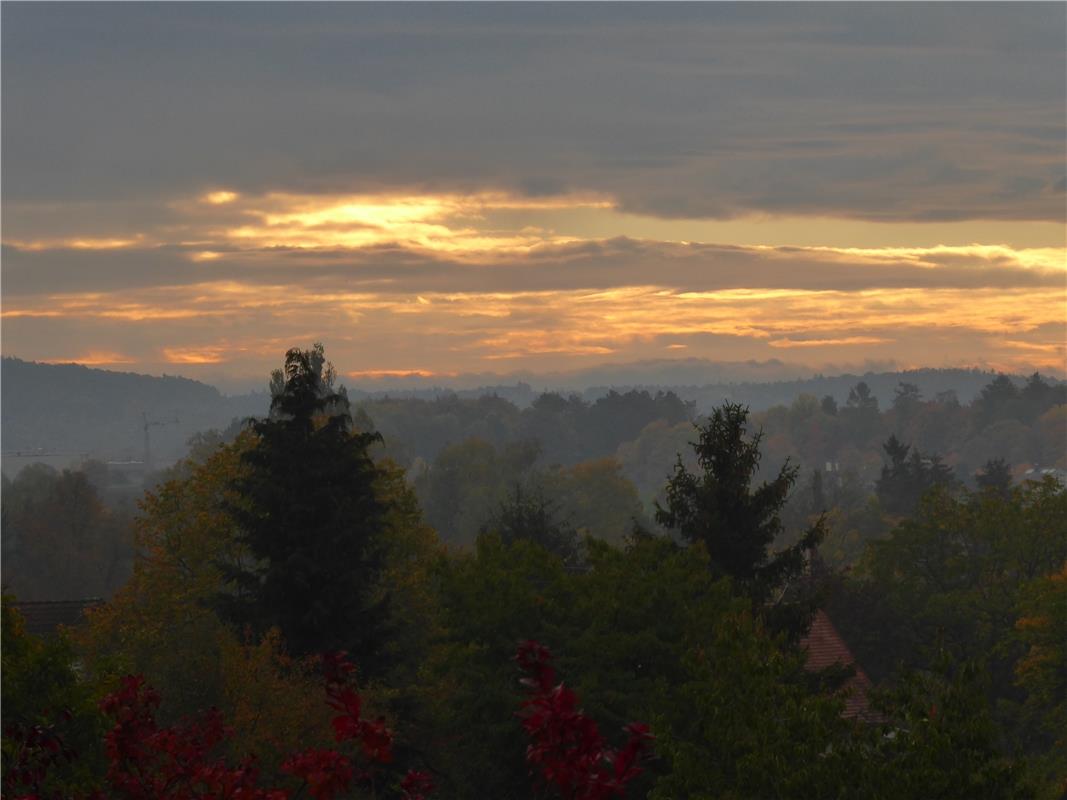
444	300
433	189
925	111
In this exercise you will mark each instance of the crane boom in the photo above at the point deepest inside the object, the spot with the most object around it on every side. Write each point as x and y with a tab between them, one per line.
147	443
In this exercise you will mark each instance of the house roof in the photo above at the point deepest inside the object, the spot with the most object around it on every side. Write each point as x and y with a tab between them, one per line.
43	617
825	648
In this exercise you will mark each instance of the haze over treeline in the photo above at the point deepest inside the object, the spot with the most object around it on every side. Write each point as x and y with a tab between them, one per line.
81	412
598	460
703	570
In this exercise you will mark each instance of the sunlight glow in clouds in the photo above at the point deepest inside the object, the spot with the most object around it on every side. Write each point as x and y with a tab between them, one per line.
459	332
220	197
193	355
534	187
79	243
94	358
847	340
1050	258
482	226
447	223
373	270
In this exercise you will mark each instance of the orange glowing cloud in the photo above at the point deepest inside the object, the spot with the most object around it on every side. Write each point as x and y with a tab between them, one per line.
449	332
94	358
194	355
1044	258
846	340
79	243
1041	347
17	313
449	223
219	197
468	277
482	225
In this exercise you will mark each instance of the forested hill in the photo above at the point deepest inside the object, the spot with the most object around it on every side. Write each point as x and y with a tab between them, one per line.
965	383
758	395
68	408
77	410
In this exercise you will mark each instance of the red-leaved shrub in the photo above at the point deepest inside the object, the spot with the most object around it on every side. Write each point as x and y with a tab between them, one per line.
147	762
565	744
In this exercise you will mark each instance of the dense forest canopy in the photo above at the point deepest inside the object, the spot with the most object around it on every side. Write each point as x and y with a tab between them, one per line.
673	561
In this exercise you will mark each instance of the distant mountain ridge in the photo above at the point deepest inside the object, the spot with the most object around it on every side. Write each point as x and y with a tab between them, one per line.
967	384
74	409
759	384
758	395
71	408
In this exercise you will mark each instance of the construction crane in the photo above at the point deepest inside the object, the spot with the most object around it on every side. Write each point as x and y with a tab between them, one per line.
147	445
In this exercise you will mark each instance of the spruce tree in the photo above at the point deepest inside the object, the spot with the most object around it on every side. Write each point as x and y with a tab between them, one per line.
995	477
907	476
530	516
739	523
309	519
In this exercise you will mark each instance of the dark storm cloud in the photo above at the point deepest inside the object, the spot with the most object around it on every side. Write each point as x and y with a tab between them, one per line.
601	265
910	111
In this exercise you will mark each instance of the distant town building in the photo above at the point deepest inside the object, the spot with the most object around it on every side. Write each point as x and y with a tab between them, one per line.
1037	473
44	617
832	475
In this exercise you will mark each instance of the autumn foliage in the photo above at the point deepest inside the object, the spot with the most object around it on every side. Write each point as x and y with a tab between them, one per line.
149	762
566	745
38	748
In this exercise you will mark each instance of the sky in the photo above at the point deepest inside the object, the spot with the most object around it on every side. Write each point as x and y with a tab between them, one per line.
433	190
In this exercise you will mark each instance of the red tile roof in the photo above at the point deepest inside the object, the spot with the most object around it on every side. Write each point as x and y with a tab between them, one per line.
825	649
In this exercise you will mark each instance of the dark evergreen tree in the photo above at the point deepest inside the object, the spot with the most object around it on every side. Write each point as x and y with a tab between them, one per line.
895	486
998	400
936	473
818	497
829	406
897	452
906	400
738	523
1038	396
860	397
947	398
907	476
530	516
995	476
307	513
861	411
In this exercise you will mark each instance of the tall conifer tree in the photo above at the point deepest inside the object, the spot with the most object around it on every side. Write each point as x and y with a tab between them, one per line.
738	523
308	514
